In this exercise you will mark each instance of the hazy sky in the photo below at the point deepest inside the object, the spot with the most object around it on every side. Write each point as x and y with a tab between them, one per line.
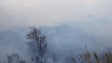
19	13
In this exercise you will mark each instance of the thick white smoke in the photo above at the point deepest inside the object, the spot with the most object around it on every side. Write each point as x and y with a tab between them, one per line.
64	41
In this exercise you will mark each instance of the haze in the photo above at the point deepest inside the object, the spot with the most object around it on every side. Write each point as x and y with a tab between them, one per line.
22	13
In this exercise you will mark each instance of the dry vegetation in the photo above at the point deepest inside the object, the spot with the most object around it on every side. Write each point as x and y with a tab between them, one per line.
93	57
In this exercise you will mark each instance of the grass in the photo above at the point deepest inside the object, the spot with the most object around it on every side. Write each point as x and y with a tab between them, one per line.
93	57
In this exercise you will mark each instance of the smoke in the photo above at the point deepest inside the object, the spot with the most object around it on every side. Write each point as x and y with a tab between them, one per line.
23	13
88	24
64	41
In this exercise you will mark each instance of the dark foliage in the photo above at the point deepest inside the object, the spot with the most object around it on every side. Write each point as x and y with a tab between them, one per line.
38	45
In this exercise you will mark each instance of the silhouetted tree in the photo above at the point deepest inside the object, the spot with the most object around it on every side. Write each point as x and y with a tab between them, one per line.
38	45
14	58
